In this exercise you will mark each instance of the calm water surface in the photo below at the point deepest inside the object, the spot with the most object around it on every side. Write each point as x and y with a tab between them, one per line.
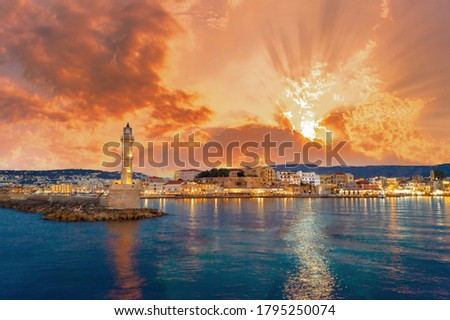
235	249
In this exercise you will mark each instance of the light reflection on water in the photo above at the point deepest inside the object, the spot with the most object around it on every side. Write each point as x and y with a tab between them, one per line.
311	279
122	244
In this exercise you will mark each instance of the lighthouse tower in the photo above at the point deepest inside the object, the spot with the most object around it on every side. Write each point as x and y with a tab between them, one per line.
126	193
127	155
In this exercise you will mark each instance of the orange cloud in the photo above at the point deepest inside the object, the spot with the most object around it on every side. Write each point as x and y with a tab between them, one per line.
175	111
17	105
94	59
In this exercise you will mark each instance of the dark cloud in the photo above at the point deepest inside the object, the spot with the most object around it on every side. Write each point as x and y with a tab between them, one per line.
100	58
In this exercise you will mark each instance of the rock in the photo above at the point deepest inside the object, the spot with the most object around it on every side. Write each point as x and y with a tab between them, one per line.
78	209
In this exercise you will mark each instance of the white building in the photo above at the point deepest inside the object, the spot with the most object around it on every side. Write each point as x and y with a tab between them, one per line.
155	187
288	177
173	187
309	178
186	174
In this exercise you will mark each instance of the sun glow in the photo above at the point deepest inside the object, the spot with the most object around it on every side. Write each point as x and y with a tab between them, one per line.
306	94
308	99
374	120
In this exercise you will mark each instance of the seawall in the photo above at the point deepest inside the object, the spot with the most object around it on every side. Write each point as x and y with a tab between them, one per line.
73	209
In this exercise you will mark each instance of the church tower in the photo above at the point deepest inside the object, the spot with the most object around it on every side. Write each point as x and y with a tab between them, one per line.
127	155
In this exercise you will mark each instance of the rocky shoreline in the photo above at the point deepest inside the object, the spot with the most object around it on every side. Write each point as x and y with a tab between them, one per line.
78	210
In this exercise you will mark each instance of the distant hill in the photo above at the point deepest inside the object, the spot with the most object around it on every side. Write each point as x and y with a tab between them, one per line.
357	171
371	171
55	174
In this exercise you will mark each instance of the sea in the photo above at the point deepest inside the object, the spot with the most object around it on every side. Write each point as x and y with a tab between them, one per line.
259	248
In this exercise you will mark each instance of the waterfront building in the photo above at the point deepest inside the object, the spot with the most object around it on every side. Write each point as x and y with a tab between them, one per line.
236	191
446	186
190	188
309	178
419	187
288	177
380	181
153	179
326	179
391	184
63	188
209	188
186	174
230	182
296	189
349	178
266	173
339	179
155	187
361	188
173	186
193	188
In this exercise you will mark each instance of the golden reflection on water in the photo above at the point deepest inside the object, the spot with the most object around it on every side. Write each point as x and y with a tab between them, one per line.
446	209
162	204
216	207
122	245
193	241
312	279
394	264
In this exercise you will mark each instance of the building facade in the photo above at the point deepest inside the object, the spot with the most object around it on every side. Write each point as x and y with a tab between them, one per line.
186	174
173	186
266	173
155	187
288	177
311	178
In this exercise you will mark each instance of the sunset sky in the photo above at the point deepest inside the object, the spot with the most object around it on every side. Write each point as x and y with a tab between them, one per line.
73	73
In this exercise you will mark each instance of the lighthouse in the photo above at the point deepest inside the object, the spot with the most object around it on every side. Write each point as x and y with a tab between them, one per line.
125	193
127	155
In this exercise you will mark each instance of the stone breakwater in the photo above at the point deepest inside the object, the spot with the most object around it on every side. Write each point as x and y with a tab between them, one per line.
76	210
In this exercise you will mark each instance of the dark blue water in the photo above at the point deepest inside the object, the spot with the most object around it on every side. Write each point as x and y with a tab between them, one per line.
235	249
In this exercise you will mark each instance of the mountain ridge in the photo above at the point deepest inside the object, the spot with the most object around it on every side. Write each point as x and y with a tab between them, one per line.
368	171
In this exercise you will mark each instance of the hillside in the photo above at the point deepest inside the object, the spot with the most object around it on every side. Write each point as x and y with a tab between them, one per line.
372	171
58	173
